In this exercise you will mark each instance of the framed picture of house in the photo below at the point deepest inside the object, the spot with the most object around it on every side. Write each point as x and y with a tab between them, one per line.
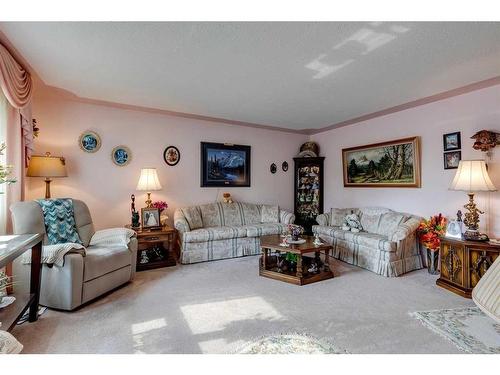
387	164
225	165
451	141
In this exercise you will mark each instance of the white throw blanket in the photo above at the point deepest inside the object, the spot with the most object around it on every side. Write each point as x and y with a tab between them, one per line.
54	254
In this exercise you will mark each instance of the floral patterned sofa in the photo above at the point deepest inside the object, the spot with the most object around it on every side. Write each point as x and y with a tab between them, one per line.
387	244
226	230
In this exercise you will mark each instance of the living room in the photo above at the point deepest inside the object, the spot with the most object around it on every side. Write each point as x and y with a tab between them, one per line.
250	187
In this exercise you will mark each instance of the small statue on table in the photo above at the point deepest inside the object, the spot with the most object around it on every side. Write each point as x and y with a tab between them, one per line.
135	215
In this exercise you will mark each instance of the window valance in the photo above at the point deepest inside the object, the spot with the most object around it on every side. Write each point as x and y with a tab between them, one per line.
15	81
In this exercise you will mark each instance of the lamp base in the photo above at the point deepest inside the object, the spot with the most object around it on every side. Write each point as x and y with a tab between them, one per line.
149	202
47	188
474	235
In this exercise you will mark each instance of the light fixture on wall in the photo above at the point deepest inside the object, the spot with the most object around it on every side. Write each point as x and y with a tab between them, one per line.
148	182
472	176
47	166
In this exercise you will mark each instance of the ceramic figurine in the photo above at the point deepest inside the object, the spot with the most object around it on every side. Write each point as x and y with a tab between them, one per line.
135	215
317	240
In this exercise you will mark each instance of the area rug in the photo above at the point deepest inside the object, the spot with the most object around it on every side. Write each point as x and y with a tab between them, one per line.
289	344
467	327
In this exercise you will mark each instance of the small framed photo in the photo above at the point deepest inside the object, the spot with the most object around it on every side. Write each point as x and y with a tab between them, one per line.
454	229
451	159
451	141
171	155
150	218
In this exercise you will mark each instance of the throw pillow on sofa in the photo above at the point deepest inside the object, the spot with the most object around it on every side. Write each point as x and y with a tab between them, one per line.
193	217
389	222
270	214
337	216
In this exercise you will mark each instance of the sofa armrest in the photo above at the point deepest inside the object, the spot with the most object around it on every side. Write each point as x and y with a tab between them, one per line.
405	230
180	222
112	236
286	217
323	219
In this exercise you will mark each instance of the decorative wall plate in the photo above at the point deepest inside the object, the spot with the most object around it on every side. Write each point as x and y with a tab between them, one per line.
171	155
284	166
121	155
273	168
89	141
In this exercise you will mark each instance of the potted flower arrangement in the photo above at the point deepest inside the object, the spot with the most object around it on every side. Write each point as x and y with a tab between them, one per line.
295	231
429	233
162	206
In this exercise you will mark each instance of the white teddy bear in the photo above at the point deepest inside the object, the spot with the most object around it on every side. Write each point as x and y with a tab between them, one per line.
352	223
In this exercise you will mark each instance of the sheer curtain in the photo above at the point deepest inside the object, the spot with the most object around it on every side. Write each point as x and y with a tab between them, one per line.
11	134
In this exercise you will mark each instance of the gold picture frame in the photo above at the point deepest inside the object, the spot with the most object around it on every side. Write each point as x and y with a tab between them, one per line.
121	155
150	218
393	163
89	141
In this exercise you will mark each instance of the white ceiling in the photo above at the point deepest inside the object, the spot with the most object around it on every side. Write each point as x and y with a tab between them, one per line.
291	75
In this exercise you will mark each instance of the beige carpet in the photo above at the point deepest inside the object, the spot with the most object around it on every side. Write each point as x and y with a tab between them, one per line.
218	307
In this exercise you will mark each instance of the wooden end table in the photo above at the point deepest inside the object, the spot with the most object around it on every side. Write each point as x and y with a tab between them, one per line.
158	245
12	247
268	268
463	263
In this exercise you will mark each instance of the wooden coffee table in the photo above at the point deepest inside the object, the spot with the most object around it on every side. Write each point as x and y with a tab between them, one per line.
268	266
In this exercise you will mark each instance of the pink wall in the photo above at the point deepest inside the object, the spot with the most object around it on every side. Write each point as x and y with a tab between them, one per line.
106	188
467	113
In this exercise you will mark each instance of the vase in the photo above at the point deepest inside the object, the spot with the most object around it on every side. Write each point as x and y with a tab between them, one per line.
433	261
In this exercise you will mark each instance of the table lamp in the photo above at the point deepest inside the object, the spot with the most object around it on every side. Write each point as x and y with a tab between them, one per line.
472	177
47	166
148	181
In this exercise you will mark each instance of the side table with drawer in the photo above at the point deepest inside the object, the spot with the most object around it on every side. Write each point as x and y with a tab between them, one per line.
463	263
155	248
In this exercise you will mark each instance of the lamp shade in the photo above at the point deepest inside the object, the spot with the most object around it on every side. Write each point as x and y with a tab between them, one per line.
47	166
148	181
472	176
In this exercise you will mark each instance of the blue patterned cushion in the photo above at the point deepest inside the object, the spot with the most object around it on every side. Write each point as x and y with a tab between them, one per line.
59	218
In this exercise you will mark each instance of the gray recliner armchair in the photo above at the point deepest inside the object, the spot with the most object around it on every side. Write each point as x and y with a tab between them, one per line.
82	278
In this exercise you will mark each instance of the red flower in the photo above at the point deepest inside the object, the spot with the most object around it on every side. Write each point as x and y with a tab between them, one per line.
430	231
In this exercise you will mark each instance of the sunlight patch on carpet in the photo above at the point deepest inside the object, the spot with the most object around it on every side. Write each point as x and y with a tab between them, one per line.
228	314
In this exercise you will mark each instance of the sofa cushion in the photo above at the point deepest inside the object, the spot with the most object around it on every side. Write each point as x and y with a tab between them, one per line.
270	214
215	233
100	260
251	213
193	217
389	222
266	229
231	214
372	240
211	215
370	218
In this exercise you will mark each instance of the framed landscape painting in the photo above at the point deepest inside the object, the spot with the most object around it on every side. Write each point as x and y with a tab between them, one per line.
387	164
225	165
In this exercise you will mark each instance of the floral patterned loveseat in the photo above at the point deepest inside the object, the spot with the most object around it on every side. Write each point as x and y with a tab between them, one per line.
387	244
226	230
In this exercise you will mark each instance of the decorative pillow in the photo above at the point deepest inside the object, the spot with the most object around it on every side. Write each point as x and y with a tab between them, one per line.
211	215
193	217
389	222
270	214
337	215
59	218
112	236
